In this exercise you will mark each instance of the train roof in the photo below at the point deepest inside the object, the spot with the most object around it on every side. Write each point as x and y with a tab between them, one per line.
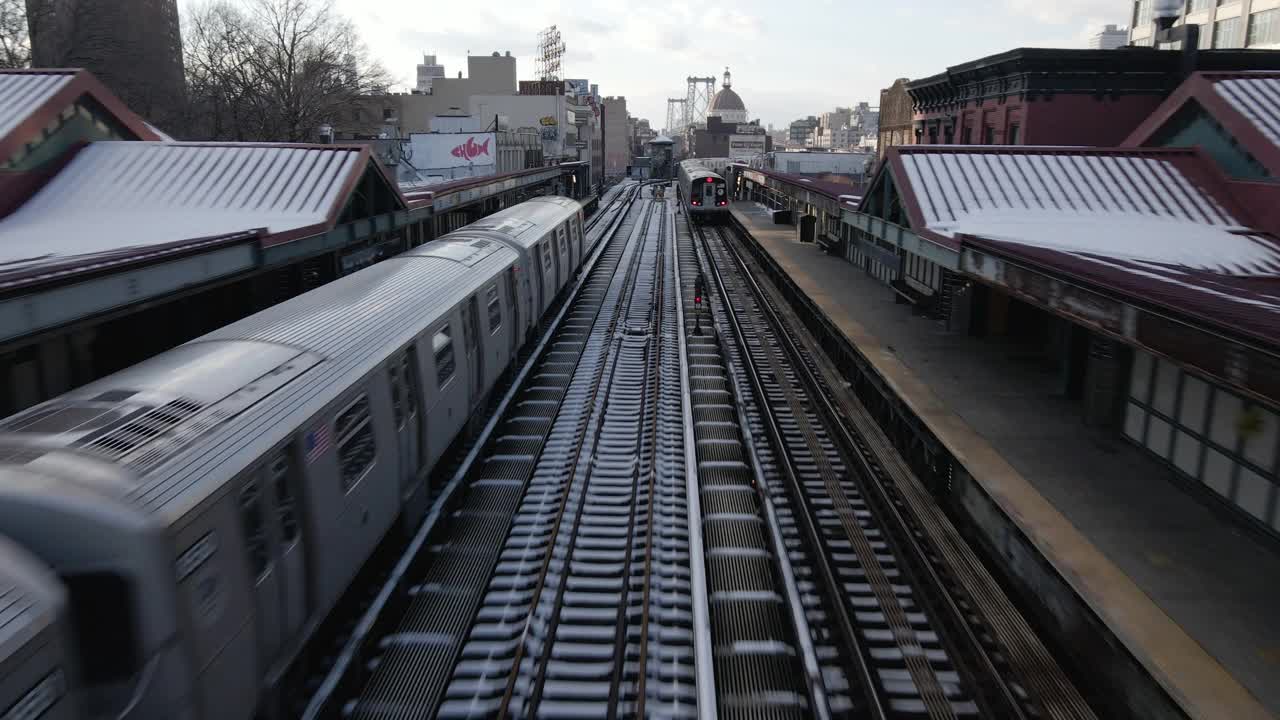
31	599
526	223
186	421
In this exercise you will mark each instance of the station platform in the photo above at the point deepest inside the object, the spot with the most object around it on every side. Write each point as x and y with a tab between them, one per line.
1191	598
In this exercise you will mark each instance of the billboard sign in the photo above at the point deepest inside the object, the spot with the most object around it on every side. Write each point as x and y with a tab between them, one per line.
434	151
745	147
581	88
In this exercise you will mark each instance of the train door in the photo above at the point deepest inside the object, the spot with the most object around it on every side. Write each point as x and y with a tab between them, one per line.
513	302
475	356
402	370
709	193
562	262
281	484
545	279
277	563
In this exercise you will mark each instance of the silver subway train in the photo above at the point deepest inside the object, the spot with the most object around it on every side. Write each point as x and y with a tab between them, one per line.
703	193
205	509
36	678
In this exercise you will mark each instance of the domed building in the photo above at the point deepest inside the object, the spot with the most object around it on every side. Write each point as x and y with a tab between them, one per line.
727	104
727	132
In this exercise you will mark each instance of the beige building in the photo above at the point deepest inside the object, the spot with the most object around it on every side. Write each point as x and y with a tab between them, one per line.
1253	24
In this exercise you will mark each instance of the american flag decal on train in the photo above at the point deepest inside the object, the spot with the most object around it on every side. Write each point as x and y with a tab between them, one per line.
316	442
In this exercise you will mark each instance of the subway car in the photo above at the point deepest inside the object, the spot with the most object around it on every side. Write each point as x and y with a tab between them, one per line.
204	509
703	193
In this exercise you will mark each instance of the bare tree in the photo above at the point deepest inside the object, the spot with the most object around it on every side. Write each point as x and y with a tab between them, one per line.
15	43
274	69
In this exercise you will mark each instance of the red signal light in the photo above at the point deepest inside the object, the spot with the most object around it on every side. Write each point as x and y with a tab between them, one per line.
710	180
697	299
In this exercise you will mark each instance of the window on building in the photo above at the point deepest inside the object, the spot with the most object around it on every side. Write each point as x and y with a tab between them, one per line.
1227	2
1142	13
1013	133
442	345
1226	33
1264	28
968	136
989	135
356	448
387	113
1198	5
355	115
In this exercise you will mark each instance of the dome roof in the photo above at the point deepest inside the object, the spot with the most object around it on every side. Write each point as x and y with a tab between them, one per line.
726	99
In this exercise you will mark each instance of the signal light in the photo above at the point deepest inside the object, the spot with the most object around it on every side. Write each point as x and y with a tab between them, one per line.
710	180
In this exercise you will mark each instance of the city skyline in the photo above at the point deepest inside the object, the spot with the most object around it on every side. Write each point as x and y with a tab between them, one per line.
646	56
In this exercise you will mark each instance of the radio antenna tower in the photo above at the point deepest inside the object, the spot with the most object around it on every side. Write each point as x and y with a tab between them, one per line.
699	98
550	53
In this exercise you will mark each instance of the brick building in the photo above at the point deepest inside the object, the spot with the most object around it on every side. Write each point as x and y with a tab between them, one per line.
1037	96
133	46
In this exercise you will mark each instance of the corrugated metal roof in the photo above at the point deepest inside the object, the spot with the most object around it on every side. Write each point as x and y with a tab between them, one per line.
1138	205
1256	97
22	93
116	195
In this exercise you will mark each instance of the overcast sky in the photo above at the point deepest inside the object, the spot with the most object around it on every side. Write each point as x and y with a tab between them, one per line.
789	58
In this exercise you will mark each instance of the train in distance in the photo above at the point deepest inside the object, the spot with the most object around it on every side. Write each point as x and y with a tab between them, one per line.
703	193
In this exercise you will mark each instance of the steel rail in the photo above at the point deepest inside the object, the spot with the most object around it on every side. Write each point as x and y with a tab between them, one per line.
877	706
596	416
1007	700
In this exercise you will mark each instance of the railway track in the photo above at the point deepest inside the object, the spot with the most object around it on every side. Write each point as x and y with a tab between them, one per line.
514	588
926	630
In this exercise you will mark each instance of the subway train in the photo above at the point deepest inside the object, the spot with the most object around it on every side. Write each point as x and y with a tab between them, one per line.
703	193
205	509
36	681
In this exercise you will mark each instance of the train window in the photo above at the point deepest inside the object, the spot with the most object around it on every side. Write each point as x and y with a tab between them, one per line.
560	239
442	345
546	255
286	507
495	309
409	374
356	447
102	615
397	406
255	532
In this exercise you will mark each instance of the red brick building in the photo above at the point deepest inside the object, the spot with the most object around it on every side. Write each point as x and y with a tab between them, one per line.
1040	96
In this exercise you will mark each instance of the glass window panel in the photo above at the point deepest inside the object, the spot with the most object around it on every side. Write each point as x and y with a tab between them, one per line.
1166	389
1260	443
1186	454
1226	33
442	343
1140	376
1226	411
1253	493
1264	27
1158	435
1217	472
1195	403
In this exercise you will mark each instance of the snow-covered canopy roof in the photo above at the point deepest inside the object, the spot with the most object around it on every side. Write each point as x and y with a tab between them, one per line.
31	99
1158	226
1245	104
1133	205
118	196
22	93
